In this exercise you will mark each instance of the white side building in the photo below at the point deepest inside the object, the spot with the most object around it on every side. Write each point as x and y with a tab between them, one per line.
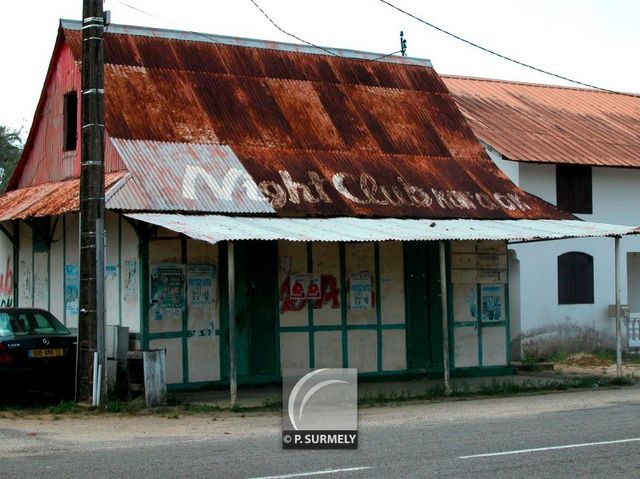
580	150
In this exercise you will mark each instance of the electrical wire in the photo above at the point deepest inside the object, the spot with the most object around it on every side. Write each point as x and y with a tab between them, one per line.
215	40
139	10
313	44
492	52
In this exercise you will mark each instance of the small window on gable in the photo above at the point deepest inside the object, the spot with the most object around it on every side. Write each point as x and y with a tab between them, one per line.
575	278
573	188
70	121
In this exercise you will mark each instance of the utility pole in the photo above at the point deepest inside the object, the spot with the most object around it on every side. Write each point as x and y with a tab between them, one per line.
91	327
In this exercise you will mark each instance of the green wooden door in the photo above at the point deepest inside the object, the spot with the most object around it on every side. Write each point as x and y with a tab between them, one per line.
422	302
257	310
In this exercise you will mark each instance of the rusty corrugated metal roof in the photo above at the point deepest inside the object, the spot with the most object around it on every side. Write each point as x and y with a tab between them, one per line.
551	124
319	134
47	199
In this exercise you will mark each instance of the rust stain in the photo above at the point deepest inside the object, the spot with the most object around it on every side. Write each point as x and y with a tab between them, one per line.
309	134
46	199
551	124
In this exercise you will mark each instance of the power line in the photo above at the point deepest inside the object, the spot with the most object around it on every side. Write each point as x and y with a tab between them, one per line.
203	35
313	44
492	52
213	39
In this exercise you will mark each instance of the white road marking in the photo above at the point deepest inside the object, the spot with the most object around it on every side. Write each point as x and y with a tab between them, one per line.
551	448
315	473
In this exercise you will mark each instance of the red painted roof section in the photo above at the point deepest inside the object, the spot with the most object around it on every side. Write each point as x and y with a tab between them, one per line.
319	135
551	124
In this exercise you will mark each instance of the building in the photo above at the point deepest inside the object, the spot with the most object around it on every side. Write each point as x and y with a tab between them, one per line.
343	198
578	149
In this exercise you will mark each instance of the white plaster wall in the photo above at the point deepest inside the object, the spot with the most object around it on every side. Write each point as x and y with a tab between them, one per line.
203	351
326	261
394	350
545	325
363	350
294	350
292	258
56	273
111	281
167	251
633	278
72	246
328	349
509	168
130	278
359	257
25	265
41	279
6	267
392	283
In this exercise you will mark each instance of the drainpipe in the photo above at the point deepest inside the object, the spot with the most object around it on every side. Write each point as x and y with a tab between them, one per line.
445	319
233	370
618	319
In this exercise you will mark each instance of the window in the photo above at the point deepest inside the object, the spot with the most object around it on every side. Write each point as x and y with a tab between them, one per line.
575	278
573	188
70	121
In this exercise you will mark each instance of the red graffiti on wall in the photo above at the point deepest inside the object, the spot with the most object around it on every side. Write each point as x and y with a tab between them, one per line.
6	284
329	294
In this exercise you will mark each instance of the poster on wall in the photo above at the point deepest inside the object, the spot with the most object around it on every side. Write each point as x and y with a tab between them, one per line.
71	289
110	272
298	285
130	280
314	286
360	290
465	302
167	290
491	302
200	284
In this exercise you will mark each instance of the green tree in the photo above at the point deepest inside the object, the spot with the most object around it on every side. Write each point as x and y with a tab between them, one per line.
10	150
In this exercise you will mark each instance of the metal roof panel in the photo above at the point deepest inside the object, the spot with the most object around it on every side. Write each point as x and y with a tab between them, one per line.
216	228
551	124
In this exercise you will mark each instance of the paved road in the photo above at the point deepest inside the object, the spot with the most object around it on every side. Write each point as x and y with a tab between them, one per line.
417	441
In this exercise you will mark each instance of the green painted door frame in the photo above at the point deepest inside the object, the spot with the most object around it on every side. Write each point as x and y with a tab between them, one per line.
422	304
257	318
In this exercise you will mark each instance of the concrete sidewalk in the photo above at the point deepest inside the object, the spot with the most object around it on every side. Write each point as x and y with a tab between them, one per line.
257	396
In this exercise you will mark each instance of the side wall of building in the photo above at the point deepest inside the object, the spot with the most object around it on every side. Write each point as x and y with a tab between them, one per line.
48	269
338	304
544	325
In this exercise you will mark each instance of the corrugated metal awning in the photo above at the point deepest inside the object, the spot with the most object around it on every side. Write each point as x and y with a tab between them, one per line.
216	228
48	199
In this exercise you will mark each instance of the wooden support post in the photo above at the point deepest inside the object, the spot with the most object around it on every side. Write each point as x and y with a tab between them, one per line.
233	367
618	312
445	319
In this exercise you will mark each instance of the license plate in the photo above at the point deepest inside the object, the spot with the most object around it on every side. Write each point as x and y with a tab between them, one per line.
45	353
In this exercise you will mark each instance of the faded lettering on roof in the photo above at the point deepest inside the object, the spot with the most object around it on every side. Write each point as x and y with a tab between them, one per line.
364	189
222	187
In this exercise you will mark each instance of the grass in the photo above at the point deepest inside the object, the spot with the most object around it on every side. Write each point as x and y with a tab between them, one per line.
177	406
496	389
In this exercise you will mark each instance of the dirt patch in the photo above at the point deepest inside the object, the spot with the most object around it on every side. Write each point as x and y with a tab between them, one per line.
593	365
586	360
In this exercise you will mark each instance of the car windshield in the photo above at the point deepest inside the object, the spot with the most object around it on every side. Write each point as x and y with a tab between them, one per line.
23	323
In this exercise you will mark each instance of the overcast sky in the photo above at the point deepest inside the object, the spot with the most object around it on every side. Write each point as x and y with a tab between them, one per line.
594	41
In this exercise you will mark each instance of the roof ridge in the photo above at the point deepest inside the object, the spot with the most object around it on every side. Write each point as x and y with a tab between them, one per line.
536	84
189	35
